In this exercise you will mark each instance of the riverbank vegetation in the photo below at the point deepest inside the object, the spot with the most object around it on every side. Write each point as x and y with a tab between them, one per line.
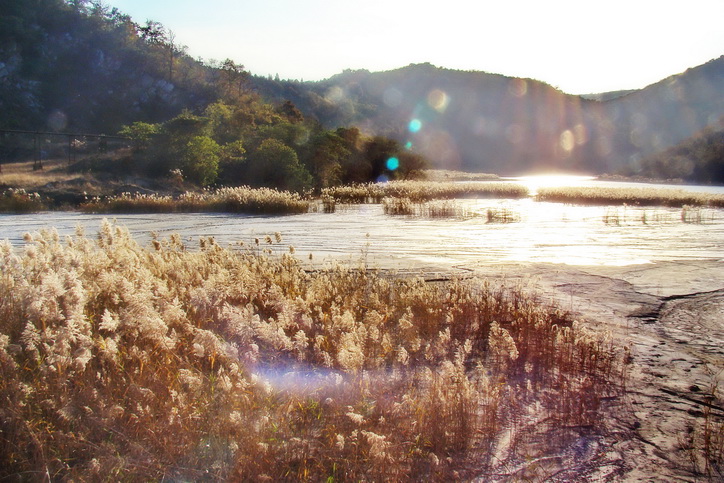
420	191
224	200
125	362
630	196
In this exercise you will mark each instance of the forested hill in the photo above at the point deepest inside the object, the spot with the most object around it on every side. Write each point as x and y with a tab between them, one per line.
698	159
487	122
84	67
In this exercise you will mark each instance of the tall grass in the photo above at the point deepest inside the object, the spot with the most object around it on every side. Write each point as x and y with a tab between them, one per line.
123	362
19	201
448	175
419	191
227	200
630	196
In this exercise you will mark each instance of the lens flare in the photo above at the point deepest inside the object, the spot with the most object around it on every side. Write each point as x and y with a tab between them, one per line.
567	140
335	95
408	145
393	163
415	125
518	87
438	100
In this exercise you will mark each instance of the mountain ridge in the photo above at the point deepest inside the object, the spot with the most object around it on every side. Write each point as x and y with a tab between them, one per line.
490	120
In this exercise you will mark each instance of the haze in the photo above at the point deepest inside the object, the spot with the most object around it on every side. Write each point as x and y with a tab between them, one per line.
580	47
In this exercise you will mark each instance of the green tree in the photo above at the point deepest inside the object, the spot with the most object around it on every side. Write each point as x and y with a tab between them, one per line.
276	164
232	162
328	153
200	160
377	152
140	133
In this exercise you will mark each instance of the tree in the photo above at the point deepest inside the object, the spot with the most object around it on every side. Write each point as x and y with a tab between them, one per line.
411	165
290	111
200	160
153	32
140	133
232	161
377	152
234	77
276	164
328	153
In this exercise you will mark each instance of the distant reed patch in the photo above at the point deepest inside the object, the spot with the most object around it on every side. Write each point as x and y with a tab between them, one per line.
631	196
223	200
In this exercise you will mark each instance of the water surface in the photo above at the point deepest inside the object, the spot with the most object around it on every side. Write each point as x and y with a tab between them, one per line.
543	232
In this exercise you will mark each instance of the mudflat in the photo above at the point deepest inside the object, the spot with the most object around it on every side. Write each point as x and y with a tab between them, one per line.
671	317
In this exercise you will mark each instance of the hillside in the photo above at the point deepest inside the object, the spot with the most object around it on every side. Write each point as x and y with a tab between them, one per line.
488	122
84	68
80	67
698	159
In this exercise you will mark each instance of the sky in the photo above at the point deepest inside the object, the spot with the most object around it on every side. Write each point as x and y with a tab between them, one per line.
579	46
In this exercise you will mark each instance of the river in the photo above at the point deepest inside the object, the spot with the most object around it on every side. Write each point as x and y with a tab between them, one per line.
541	232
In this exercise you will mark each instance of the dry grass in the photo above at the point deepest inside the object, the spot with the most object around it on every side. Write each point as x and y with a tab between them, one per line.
122	362
420	191
19	201
224	200
630	196
22	175
448	175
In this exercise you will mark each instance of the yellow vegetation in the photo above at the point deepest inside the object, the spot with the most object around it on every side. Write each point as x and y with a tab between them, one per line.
631	196
123	362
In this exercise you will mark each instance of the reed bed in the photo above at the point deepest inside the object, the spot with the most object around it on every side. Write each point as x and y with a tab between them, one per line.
223	200
449	175
446	209
419	191
629	196
130	363
14	200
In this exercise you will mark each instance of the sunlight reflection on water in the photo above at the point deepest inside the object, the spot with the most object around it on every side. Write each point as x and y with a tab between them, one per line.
544	232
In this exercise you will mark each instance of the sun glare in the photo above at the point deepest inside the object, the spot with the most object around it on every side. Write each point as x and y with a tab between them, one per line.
536	182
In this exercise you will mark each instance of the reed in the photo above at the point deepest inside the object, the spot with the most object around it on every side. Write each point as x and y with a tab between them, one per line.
123	362
449	175
629	196
19	201
420	191
224	200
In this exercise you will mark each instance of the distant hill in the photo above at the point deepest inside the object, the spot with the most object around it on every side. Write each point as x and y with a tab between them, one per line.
492	123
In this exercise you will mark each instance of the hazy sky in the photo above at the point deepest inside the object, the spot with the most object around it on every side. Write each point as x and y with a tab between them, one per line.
579	46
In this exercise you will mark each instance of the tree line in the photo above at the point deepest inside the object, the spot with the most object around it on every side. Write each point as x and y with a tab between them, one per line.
250	142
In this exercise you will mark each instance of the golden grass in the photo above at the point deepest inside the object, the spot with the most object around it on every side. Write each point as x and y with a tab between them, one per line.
419	191
22	175
449	175
630	196
19	201
226	200
125	363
